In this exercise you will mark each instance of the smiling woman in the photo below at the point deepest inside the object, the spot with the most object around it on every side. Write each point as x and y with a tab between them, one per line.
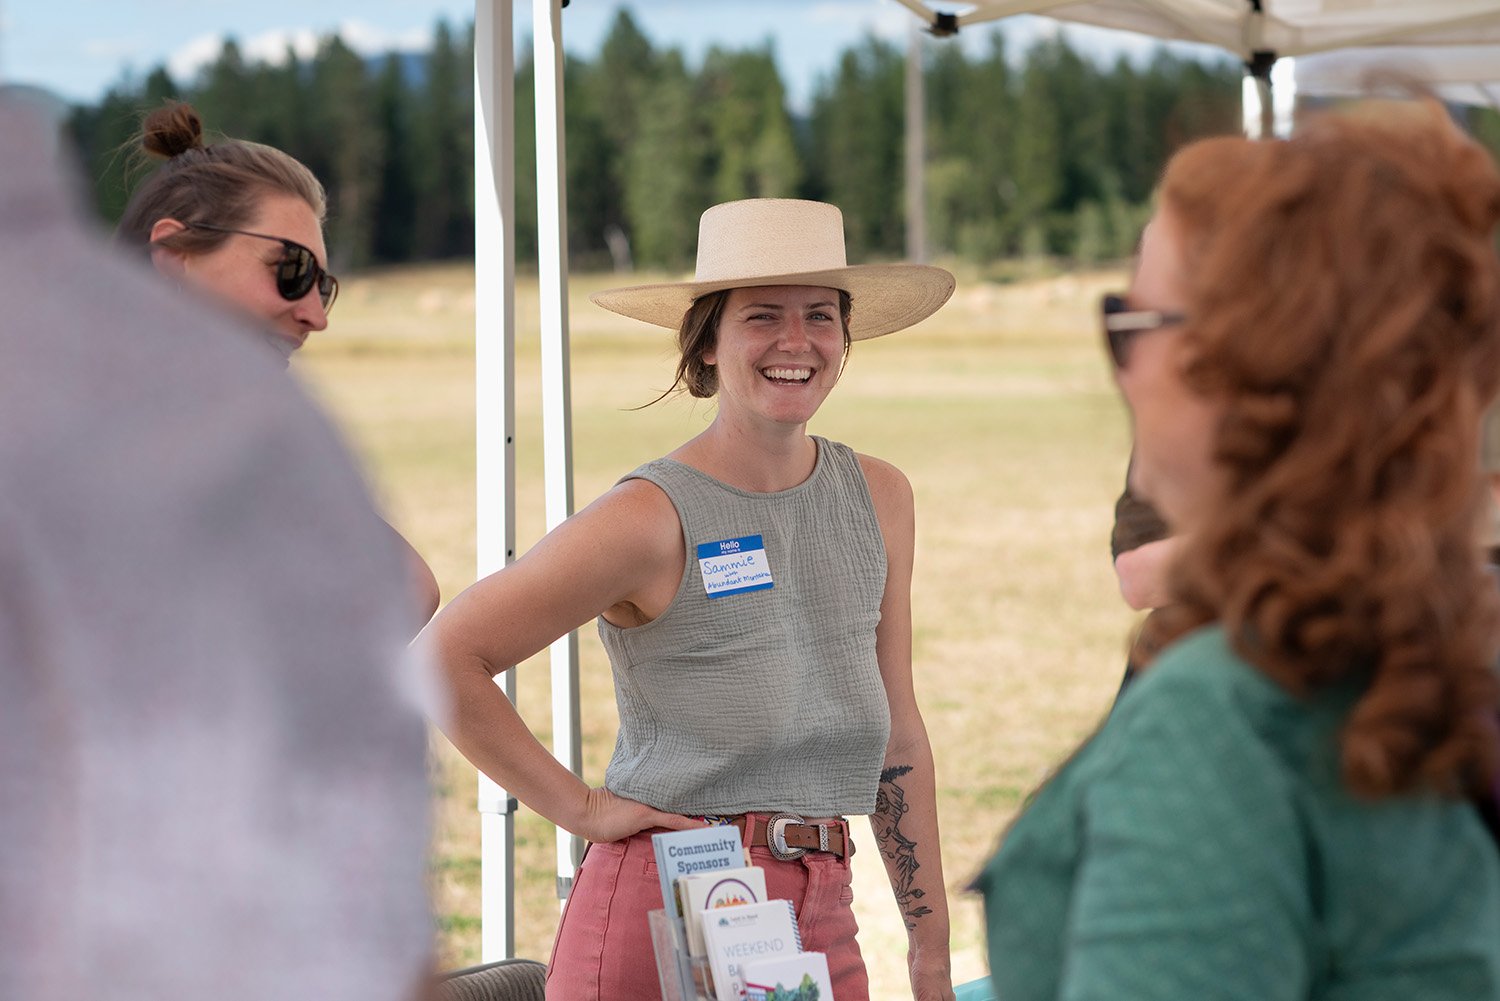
801	635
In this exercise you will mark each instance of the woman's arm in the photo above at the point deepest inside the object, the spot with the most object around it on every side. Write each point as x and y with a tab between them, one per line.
905	819
610	554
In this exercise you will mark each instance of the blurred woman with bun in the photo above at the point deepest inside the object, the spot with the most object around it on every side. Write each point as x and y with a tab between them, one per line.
242	222
1277	807
237	219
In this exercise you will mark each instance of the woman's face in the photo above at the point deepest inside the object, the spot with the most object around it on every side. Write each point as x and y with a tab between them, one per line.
242	269
778	352
1174	426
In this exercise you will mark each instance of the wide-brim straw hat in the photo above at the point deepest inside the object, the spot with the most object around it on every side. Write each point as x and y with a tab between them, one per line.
788	241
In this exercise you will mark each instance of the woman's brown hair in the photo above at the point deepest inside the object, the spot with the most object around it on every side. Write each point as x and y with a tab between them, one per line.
221	183
1344	306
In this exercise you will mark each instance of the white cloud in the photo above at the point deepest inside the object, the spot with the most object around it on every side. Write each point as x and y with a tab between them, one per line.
369	40
186	61
271	46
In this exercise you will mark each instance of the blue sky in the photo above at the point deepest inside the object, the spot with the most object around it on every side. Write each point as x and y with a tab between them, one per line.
78	49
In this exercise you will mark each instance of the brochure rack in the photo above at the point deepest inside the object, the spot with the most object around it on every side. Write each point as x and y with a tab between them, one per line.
683	977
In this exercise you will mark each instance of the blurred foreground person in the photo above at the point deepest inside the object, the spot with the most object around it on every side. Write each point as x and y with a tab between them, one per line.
213	783
1275	809
243	223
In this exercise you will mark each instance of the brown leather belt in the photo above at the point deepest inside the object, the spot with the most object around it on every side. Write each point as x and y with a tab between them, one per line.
789	837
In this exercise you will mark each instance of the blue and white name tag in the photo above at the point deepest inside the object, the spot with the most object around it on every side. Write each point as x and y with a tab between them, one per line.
734	566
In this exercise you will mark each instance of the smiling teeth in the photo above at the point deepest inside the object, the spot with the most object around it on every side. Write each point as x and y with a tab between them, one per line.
789	374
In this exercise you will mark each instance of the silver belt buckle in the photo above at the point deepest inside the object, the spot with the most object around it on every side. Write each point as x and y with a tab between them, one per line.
776	840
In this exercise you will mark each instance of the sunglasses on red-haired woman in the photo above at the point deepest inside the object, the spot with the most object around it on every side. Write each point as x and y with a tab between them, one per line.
1122	325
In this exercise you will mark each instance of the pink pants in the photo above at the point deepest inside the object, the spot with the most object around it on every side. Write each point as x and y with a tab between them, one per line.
603	949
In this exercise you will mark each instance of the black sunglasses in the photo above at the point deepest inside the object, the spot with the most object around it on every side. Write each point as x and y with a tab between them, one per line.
296	273
1122	324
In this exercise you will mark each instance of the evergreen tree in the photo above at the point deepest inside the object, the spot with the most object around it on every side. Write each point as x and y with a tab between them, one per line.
667	176
225	97
525	162
858	121
444	133
1049	155
625	71
754	150
1038	150
351	148
281	95
394	202
970	125
587	167
1091	235
107	140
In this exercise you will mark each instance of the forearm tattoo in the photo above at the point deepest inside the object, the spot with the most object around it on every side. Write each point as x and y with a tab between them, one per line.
899	851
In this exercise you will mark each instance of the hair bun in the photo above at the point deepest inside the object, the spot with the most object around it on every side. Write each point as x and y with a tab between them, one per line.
172	129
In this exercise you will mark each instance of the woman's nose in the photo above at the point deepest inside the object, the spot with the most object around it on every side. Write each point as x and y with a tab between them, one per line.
794	335
310	311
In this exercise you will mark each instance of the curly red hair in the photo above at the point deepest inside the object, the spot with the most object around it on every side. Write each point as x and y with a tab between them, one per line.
1344	296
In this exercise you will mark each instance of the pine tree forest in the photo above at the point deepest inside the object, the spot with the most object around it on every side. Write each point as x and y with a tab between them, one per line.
1045	152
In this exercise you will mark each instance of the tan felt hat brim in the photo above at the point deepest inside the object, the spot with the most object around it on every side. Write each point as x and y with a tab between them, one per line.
885	297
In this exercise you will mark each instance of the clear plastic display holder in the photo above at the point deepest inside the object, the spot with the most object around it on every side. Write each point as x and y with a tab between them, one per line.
683	977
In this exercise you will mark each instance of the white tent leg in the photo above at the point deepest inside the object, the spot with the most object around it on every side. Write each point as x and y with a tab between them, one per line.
495	411
1268	104
1255	95
1283	96
557	416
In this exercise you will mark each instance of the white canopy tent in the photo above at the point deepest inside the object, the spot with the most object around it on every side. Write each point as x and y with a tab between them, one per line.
1247	27
1261	32
1462	74
1257	31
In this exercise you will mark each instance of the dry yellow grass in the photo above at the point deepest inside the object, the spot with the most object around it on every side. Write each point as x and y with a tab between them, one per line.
999	409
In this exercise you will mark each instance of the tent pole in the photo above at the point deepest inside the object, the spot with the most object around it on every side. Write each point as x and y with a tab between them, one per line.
495	412
1256	114
1267	95
557	417
1283	97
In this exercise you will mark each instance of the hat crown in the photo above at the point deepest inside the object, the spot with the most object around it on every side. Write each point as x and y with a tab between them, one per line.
759	237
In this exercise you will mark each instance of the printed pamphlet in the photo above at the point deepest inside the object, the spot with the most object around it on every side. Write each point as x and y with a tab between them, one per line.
736	935
803	977
689	853
704	893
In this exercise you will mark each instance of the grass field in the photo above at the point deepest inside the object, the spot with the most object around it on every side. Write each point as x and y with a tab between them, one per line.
1000	410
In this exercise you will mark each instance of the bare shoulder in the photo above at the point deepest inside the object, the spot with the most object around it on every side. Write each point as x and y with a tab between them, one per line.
636	510
640	497
889	487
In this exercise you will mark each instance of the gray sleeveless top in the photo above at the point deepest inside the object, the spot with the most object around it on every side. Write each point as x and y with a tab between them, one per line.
760	697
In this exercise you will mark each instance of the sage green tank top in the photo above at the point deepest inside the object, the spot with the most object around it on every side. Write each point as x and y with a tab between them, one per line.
757	689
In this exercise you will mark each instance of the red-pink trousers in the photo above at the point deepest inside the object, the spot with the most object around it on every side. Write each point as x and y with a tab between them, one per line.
603	950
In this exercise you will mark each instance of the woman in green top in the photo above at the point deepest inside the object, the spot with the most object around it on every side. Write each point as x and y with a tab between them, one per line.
1275	809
